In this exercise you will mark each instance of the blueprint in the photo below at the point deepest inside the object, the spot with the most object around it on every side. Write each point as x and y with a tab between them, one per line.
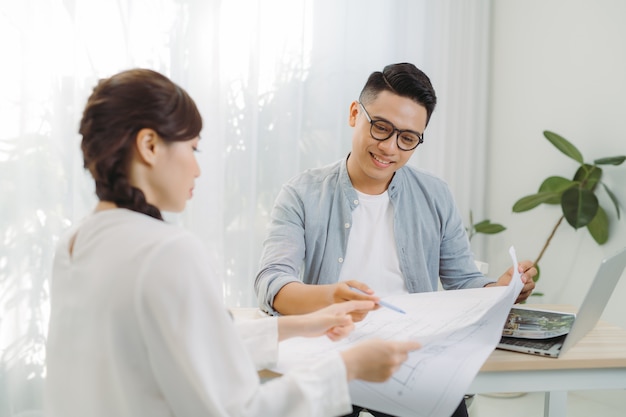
458	331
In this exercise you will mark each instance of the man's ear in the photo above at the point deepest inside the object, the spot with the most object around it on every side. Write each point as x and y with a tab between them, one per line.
354	111
146	145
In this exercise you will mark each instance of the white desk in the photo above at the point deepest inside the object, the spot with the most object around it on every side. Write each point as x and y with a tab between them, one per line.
598	361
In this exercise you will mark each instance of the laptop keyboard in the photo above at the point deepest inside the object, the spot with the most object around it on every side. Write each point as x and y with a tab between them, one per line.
530	343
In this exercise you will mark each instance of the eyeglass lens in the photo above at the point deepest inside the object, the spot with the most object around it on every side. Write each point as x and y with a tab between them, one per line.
382	130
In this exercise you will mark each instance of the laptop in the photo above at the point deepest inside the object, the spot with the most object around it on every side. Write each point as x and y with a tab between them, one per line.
550	333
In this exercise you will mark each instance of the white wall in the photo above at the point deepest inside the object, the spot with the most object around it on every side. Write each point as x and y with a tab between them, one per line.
556	65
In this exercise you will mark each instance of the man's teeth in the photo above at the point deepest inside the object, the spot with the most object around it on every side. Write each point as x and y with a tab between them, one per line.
382	162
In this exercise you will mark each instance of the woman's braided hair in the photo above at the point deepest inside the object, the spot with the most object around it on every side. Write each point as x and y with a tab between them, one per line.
118	108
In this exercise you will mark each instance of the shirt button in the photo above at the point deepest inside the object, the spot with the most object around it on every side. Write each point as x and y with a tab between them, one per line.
356	202
347	225
340	260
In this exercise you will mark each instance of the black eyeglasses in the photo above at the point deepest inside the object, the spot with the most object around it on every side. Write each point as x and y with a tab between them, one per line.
381	130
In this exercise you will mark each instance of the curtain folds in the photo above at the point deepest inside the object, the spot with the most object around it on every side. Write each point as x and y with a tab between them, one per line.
273	80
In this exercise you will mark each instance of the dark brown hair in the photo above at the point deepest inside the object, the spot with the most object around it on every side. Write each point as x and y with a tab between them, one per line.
405	80
118	108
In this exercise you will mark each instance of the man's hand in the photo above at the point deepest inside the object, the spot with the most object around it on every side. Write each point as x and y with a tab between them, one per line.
342	291
528	271
298	298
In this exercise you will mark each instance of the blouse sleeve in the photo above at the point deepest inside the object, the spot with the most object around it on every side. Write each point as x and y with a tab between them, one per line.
198	359
260	337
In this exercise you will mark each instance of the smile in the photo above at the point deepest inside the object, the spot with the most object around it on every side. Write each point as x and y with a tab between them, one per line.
381	162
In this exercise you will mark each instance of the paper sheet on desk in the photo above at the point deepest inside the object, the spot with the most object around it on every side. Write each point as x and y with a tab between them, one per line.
458	330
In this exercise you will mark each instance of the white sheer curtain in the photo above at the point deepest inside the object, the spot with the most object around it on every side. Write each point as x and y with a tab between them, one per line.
273	80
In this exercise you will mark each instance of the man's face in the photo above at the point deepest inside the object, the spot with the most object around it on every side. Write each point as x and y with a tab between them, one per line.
372	163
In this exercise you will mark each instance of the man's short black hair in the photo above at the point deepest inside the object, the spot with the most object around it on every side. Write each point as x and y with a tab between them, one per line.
405	80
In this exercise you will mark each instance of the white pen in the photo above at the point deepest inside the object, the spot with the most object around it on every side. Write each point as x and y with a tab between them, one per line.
381	302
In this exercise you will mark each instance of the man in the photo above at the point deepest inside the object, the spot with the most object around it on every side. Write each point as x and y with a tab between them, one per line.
368	221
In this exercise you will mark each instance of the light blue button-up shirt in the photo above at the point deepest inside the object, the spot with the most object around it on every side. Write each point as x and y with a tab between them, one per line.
312	218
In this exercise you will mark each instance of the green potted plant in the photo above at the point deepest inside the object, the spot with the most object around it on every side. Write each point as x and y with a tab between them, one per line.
577	197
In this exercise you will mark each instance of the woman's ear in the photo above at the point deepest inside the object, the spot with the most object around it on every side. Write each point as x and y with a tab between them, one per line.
146	143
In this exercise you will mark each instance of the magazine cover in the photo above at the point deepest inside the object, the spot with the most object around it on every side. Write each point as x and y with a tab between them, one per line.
537	324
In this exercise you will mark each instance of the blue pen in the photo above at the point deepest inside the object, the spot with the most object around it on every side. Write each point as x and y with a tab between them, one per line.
381	302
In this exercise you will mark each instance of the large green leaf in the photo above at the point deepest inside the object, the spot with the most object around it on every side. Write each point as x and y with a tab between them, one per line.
613	199
564	146
599	227
588	175
611	160
579	206
555	185
488	228
532	201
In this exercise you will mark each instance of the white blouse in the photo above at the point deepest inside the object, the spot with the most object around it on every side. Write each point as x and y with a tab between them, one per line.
138	328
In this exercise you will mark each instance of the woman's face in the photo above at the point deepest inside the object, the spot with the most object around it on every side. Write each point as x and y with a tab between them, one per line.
173	175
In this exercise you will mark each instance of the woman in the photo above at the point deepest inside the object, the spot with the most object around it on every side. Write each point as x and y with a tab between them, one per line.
137	324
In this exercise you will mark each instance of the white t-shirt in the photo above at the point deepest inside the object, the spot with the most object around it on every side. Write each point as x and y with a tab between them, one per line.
371	256
138	328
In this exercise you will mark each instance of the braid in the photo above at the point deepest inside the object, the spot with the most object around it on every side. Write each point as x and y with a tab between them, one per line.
117	188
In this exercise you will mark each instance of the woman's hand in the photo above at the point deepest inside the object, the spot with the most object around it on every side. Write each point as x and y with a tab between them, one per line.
376	360
334	321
